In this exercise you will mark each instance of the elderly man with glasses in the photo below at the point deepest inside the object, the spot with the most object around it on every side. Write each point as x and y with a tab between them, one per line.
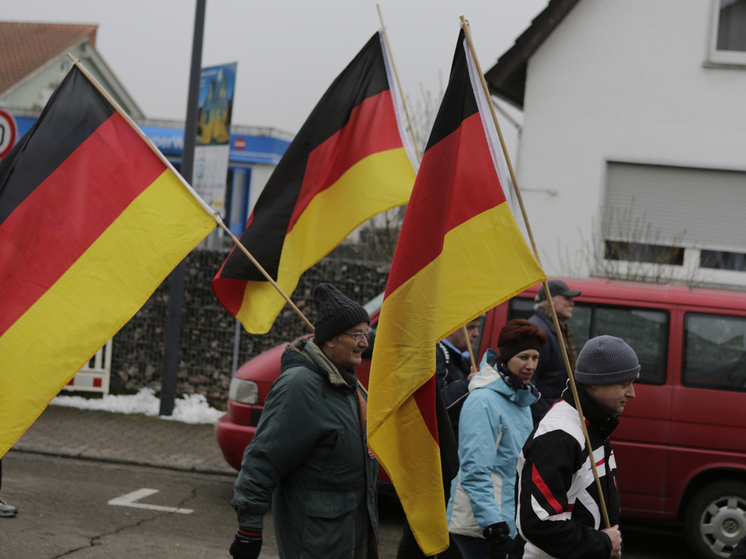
309	457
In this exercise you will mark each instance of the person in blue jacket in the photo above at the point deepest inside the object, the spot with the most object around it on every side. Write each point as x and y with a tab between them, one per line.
495	423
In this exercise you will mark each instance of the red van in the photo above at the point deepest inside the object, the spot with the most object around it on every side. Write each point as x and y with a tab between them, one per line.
681	443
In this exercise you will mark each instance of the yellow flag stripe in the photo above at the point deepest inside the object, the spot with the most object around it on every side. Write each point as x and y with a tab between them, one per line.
379	182
399	369
97	295
421	455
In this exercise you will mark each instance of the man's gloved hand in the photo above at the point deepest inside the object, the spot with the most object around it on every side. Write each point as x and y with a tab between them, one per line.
498	536
246	545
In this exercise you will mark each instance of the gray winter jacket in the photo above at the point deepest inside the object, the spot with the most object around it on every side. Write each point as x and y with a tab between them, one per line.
309	458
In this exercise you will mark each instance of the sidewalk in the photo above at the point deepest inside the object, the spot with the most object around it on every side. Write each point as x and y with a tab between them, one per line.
124	438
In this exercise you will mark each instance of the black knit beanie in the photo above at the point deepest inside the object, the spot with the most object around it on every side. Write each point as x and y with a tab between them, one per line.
335	313
606	360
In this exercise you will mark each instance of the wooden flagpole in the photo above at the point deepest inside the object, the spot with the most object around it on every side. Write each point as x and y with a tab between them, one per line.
204	204
417	150
266	275
471	351
398	83
553	312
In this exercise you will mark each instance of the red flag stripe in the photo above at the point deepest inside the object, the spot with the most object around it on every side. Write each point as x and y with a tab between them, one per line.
92	201
424	396
458	165
337	155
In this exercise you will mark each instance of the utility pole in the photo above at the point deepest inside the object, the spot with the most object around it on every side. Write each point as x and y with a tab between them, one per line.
176	279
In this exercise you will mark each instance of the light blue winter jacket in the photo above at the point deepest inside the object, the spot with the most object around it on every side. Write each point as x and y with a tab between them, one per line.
495	423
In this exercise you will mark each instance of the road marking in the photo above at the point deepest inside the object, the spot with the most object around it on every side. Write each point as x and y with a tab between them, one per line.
129	500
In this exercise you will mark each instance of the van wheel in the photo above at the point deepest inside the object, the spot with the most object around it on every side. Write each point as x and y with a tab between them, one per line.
715	520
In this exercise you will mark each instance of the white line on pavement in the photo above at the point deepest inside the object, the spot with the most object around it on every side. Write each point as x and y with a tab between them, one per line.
129	500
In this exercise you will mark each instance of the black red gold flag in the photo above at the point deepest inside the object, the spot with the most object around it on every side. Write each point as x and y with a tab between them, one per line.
91	221
460	253
350	161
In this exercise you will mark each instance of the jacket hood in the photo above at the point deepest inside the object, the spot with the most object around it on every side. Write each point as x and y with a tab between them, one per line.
489	377
304	351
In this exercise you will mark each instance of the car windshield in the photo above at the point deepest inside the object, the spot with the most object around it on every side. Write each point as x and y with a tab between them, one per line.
375	303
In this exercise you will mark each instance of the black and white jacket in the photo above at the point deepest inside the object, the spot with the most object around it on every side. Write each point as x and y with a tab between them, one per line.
558	512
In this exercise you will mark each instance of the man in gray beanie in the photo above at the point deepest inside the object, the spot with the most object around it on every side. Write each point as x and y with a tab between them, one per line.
558	510
309	457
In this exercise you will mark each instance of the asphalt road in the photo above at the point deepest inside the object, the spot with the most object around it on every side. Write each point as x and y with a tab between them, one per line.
66	510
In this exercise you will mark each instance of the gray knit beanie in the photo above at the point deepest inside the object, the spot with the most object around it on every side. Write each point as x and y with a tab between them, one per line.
606	360
335	313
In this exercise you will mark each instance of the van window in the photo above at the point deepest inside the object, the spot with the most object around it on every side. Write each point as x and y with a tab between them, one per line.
714	351
521	308
645	330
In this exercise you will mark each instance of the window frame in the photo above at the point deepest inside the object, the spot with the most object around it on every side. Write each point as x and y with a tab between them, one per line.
721	57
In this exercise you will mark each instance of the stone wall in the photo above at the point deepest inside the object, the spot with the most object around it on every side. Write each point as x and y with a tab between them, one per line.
208	331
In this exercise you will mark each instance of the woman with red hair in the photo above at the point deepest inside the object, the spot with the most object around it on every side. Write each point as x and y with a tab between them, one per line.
495	423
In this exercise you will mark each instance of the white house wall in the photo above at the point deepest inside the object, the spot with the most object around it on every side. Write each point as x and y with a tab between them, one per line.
259	176
620	81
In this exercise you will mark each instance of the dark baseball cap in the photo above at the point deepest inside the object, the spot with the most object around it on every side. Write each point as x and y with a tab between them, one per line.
556	287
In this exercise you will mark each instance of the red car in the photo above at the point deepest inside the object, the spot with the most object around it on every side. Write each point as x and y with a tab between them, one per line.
681	443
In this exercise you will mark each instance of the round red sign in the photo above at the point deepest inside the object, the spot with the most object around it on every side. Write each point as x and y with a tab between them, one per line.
8	132
239	144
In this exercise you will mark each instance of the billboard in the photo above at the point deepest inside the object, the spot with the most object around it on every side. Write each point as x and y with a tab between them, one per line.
217	86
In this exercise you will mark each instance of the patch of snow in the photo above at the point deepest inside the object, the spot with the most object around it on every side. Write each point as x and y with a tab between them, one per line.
192	408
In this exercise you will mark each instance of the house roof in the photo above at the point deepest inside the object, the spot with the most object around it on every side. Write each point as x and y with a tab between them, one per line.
507	78
26	47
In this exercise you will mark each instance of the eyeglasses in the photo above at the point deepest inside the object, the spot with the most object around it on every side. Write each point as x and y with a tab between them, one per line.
358	336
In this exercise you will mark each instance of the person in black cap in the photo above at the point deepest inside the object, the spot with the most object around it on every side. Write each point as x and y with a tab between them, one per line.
558	511
453	368
309	457
551	373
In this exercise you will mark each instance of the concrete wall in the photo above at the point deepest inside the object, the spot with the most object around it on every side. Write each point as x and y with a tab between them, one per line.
207	334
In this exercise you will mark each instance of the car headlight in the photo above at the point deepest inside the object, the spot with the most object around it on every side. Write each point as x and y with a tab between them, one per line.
243	391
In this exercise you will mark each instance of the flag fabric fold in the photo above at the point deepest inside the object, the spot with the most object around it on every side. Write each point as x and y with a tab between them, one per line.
91	222
460	253
350	161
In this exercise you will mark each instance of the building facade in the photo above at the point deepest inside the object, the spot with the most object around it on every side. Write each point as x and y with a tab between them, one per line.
632	154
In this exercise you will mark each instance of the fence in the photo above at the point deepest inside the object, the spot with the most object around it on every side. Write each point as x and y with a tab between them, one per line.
208	331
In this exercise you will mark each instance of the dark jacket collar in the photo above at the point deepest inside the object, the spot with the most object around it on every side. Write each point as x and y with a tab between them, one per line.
546	317
305	352
597	418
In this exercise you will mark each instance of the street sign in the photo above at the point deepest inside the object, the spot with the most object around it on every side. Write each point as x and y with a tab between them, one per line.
8	132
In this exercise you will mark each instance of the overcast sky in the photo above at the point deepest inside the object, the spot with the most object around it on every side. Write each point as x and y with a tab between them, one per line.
288	51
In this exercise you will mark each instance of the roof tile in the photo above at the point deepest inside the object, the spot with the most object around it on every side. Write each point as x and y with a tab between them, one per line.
26	47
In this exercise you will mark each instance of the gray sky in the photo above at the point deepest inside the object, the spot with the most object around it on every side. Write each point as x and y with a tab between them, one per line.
288	51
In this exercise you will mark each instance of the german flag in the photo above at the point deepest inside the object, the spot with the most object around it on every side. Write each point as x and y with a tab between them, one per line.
459	254
91	221
349	162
